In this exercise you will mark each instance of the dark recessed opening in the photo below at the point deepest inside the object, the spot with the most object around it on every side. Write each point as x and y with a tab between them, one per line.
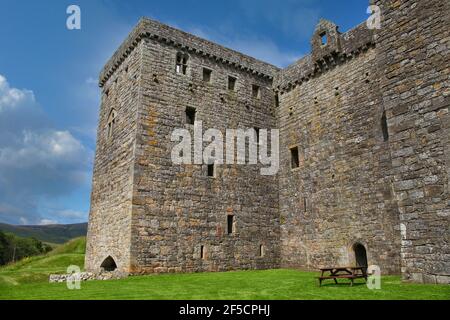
261	250
295	162
202	252
231	83
277	100
384	127
190	115
108	264
211	170
230	222
256	91
181	65
207	75
360	255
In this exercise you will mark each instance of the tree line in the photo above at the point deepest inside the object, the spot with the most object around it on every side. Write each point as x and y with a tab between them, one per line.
14	248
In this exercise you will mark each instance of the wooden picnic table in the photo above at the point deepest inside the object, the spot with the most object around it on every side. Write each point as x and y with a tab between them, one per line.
350	273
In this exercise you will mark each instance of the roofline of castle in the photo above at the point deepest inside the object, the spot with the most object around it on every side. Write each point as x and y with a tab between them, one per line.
353	42
148	28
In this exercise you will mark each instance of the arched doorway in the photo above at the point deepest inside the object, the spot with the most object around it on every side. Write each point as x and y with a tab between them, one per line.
108	264
360	255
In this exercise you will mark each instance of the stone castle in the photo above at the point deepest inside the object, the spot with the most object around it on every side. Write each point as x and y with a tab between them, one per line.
364	174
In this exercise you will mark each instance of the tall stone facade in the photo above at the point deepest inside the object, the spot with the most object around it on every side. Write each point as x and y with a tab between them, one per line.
366	115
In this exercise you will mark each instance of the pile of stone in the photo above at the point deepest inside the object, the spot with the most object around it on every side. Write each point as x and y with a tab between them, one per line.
86	276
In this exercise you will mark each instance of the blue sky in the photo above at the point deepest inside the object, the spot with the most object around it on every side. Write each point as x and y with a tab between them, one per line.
49	96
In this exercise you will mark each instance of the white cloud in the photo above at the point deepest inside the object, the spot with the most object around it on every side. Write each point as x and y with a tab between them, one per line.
12	97
39	164
45	222
49	148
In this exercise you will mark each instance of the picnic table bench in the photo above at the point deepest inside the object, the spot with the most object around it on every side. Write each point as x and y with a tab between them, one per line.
350	273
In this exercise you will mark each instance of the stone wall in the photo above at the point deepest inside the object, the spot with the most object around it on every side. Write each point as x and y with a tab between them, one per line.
367	110
178	208
414	60
109	229
341	192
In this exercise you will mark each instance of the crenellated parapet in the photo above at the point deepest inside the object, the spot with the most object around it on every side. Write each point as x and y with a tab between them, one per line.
329	48
186	42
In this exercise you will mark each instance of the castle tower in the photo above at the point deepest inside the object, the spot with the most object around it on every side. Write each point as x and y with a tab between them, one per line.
150	215
364	152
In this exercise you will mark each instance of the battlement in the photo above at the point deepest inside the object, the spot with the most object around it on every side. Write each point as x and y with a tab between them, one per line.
152	29
338	48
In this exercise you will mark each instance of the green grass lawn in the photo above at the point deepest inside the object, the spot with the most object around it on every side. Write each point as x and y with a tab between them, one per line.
28	280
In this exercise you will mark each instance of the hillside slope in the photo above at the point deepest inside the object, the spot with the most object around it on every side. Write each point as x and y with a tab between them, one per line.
38	268
58	233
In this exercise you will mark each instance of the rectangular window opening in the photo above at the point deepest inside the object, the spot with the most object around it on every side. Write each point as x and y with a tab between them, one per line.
230	223
295	163
202	252
256	91
190	115
207	75
324	38
211	170
231	83
261	250
384	127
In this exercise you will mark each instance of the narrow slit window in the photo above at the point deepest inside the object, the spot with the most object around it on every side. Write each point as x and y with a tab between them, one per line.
295	161
261	250
230	224
207	75
231	83
384	127
111	123
277	101
256	91
181	64
202	252
190	115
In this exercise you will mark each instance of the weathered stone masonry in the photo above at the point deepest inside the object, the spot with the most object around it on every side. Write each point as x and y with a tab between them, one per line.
367	112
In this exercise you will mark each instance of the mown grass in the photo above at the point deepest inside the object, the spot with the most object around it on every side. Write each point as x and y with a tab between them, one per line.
28	280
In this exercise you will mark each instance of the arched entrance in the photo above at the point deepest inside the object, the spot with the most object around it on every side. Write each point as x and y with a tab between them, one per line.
108	264
360	255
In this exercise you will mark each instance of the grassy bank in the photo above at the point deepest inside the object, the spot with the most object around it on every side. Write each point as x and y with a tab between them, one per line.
28	280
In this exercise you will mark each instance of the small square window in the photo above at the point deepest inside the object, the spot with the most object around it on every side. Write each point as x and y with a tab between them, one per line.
295	161
207	75
231	83
190	115
256	91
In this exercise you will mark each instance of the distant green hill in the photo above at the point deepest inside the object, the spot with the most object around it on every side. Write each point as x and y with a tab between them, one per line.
58	233
38	268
